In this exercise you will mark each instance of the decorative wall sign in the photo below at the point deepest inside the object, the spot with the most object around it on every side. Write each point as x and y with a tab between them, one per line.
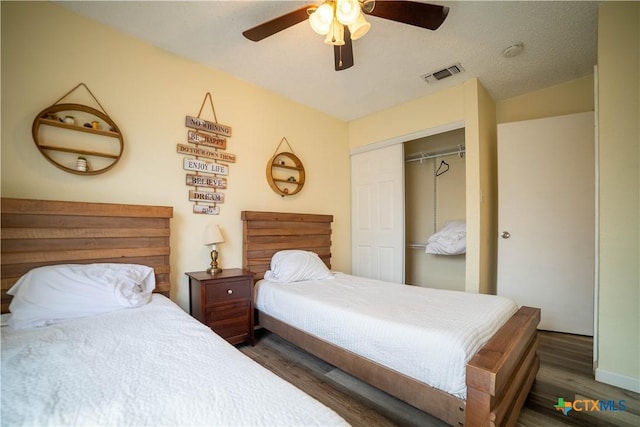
202	196
204	139
206	209
207	139
202	152
213	127
285	172
206	181
200	166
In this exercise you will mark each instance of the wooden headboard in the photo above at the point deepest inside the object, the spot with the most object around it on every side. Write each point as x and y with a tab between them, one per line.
45	232
265	233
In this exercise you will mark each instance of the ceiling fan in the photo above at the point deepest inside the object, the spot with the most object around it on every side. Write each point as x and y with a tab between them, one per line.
343	21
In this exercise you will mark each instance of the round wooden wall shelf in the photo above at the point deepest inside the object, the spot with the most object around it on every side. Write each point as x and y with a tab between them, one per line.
98	145
285	174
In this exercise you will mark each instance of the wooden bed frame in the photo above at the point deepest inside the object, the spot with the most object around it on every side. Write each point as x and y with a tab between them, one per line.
498	377
44	232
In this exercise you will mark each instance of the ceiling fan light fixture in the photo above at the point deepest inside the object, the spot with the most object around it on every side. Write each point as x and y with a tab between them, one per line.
342	21
321	19
335	36
359	28
347	11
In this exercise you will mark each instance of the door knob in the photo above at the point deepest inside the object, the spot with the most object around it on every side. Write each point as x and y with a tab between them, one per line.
505	234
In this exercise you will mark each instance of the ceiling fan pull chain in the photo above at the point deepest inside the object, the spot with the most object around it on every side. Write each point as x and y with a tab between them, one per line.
208	95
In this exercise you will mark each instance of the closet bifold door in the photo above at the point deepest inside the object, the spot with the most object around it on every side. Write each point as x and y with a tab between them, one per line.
377	217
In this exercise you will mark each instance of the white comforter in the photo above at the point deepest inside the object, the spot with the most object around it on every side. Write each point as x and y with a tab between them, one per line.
427	334
153	365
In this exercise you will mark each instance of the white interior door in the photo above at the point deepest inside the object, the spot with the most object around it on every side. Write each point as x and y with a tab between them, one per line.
377	198
546	191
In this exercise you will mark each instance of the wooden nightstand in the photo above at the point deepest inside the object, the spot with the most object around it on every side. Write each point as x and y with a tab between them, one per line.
224	302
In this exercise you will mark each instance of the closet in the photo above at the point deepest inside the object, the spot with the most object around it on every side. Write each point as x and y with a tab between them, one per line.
392	212
435	195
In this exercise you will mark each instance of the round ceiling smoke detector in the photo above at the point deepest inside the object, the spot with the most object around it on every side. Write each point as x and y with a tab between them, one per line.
513	50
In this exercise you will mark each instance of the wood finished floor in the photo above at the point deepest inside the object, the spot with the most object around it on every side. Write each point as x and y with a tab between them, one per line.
565	372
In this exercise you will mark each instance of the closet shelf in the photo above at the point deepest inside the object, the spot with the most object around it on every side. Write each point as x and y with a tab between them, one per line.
417	245
425	156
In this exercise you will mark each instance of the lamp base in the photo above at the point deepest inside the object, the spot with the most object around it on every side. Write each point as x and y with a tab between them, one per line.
214	269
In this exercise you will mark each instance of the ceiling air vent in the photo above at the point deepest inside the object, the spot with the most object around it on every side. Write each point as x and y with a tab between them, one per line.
443	74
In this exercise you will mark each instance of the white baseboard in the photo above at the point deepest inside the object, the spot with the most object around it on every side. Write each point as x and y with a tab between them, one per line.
617	380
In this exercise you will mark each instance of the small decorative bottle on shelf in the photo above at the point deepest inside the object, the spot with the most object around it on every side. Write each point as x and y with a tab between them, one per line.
81	164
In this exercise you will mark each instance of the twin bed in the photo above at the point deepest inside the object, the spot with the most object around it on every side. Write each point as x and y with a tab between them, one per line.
374	330
145	362
151	364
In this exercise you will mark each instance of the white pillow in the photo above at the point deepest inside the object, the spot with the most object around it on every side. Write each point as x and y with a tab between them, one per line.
51	294
450	240
295	265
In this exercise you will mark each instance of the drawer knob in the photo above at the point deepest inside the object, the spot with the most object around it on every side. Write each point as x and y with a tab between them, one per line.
229	291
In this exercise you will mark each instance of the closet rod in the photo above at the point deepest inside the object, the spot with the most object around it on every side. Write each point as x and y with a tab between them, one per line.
434	155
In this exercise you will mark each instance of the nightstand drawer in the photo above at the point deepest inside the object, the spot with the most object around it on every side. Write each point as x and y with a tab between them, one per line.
230	320
227	291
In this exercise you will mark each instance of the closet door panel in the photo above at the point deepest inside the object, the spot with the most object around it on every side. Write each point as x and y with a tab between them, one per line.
378	213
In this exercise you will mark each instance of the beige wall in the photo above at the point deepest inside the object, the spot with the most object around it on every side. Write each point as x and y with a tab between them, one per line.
618	335
480	134
443	107
575	96
47	50
457	103
488	192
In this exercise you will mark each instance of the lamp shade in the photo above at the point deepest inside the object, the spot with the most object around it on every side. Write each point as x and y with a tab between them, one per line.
359	28
321	19
347	11
213	235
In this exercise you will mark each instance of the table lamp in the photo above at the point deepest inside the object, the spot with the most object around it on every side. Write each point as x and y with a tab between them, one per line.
213	236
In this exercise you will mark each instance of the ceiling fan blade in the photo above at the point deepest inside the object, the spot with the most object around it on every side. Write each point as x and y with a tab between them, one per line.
278	24
343	55
424	15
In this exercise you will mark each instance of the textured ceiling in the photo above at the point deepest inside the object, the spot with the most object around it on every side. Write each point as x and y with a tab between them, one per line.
559	45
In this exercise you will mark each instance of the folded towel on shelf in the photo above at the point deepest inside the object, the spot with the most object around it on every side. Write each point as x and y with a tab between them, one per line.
450	240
